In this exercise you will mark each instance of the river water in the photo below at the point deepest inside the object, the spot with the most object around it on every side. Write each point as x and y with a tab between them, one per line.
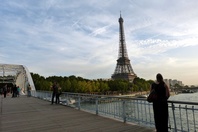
186	116
188	97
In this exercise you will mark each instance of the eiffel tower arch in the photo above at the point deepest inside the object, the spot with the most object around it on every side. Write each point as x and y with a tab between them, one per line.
123	68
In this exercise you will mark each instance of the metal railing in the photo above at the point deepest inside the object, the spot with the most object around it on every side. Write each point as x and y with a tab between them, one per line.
182	115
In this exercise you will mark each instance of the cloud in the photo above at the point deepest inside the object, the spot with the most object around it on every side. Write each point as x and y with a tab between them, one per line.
58	37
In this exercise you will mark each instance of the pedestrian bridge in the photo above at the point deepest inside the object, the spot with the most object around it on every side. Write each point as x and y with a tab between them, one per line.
29	114
16	74
94	113
183	116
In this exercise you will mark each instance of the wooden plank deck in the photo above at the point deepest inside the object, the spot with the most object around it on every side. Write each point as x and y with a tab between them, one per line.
28	114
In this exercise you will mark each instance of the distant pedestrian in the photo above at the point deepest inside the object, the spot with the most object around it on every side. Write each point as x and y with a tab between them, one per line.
29	90
18	91
5	89
14	91
54	91
58	95
160	107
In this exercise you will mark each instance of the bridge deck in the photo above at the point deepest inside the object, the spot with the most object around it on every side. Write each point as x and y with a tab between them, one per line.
34	115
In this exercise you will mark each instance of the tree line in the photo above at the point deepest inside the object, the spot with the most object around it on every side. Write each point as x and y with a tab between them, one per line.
82	85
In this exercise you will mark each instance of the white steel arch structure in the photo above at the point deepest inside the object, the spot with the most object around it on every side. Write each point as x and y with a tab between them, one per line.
16	74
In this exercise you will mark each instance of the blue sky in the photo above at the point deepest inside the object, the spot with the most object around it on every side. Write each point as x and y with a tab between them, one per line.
81	38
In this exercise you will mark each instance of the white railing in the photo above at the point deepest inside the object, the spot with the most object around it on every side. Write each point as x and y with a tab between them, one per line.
182	115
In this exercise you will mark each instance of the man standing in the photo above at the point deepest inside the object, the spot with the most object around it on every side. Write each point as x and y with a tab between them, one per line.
55	90
14	91
5	90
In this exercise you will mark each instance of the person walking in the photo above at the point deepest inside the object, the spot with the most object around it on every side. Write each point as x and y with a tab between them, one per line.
160	106
55	90
18	91
29	90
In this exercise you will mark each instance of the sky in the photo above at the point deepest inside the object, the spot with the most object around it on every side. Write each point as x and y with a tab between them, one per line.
81	38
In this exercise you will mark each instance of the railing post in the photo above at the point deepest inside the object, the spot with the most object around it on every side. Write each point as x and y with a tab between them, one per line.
78	102
96	105
124	111
149	112
67	97
180	117
145	110
35	93
173	109
138	112
46	95
42	95
194	118
187	117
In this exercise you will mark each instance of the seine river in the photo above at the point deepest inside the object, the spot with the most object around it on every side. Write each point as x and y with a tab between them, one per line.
187	116
188	97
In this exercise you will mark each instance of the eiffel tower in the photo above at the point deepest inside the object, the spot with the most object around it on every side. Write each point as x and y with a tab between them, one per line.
123	68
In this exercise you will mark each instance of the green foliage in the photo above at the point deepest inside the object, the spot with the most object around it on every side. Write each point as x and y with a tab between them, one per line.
81	85
140	84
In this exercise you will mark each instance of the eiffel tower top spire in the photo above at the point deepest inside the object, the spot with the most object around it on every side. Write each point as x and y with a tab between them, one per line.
120	19
123	68
122	48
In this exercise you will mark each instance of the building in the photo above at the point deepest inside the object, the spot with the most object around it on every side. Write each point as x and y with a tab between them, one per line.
171	82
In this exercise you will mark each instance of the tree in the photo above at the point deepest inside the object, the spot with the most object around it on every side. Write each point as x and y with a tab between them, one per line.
67	85
103	87
74	85
79	84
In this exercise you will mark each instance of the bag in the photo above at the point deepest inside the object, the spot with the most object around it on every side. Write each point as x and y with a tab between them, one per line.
152	96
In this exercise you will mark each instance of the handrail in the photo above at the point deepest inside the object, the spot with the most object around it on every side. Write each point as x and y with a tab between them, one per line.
182	102
124	97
